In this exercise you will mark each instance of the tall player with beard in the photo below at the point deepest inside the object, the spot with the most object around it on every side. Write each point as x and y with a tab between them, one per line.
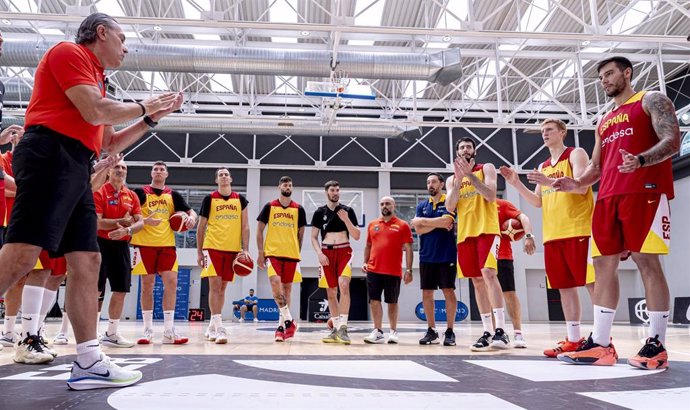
632	161
472	192
283	220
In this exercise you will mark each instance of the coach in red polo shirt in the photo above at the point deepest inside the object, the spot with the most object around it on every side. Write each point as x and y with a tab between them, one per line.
68	121
119	215
387	236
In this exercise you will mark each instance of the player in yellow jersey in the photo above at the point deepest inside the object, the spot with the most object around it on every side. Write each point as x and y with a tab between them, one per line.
567	225
472	196
222	234
154	251
283	220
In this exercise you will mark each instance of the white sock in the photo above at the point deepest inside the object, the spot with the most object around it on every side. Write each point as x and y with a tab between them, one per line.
335	322
168	318
342	321
285	312
88	353
487	323
10	321
64	326
112	326
658	322
47	303
500	315
573	329
148	318
98	323
217	321
32	297
603	320
281	318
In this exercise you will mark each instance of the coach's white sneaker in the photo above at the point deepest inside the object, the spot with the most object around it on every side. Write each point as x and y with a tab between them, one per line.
31	351
148	337
221	336
60	339
170	337
101	374
375	337
115	340
210	334
393	337
519	341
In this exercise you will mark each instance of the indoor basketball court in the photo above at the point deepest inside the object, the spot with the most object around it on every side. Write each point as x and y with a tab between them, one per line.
378	95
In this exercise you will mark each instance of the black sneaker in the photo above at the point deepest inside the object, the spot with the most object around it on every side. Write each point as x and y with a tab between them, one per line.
500	340
430	338
652	355
449	338
482	344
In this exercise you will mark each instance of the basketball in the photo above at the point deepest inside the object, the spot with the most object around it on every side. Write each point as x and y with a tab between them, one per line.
512	229
243	264
178	220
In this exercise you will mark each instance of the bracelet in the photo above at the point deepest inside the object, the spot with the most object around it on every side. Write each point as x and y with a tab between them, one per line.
151	123
143	109
641	160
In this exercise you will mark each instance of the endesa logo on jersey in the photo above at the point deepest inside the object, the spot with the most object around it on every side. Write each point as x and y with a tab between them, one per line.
627	132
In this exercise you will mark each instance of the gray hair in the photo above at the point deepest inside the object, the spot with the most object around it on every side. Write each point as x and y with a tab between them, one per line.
87	29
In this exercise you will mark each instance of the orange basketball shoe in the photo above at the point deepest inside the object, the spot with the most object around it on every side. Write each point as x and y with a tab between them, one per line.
652	355
591	353
564	346
290	329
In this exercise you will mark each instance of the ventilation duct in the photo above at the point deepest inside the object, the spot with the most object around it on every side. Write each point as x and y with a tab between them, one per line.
441	67
263	126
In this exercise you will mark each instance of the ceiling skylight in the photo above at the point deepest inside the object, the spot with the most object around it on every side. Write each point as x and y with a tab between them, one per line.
51	32
632	18
410	89
207	37
221	83
535	17
159	83
369	12
193	8
110	7
24	6
286	87
452	15
283	11
484	78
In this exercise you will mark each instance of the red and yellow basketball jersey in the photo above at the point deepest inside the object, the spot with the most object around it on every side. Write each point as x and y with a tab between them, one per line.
282	228
224	230
564	214
475	215
628	127
162	207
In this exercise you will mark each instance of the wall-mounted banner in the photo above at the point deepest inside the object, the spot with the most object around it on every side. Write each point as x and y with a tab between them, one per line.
440	311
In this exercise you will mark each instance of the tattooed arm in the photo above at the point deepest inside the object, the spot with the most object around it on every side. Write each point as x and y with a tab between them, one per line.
665	123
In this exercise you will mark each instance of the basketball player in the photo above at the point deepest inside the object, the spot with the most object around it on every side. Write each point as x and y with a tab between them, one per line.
283	220
387	236
437	258
506	269
567	225
472	191
632	162
119	216
222	234
335	223
155	253
67	123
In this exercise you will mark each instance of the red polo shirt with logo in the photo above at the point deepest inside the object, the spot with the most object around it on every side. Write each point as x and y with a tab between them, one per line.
114	205
386	241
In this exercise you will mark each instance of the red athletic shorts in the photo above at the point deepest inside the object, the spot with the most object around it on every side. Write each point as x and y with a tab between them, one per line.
634	222
339	264
565	261
477	253
286	269
56	266
219	263
148	260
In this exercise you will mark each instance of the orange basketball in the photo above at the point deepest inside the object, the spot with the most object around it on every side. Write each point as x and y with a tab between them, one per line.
243	264
512	228
178	221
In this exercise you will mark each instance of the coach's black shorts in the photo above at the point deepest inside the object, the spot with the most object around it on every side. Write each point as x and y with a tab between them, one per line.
116	266
378	283
54	206
506	275
434	276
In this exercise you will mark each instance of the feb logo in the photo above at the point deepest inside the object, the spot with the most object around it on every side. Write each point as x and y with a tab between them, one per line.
641	311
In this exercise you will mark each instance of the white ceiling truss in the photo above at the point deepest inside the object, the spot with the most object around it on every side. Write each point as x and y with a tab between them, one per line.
522	60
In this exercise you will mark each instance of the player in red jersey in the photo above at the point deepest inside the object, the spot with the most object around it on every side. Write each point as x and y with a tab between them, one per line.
632	159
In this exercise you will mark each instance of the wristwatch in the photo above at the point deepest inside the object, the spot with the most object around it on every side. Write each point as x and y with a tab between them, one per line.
129	231
408	270
529	236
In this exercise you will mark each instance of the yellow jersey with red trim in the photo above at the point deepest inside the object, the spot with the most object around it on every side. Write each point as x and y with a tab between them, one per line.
282	229
475	215
224	214
162	207
564	214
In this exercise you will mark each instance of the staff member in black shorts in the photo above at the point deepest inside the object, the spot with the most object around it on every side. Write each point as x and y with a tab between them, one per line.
437	257
68	121
119	215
